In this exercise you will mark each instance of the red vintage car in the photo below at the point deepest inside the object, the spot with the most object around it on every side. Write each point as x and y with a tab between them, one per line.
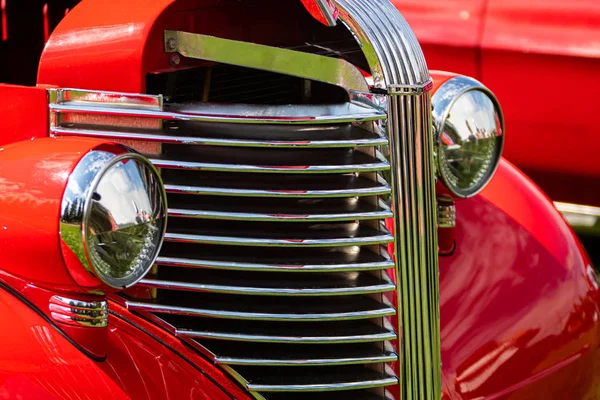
503	42
274	200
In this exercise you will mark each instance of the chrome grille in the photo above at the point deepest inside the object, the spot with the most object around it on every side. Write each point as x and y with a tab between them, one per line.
276	260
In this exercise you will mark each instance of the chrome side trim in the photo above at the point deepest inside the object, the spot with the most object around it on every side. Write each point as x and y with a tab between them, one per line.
289	62
92	314
583	219
446	215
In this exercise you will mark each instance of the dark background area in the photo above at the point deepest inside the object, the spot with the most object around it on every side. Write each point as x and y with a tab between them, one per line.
23	28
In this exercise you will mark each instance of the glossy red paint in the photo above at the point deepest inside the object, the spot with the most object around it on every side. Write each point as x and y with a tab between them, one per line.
91	340
528	52
24	113
34	175
132	349
458	22
519	300
557	42
99	37
37	362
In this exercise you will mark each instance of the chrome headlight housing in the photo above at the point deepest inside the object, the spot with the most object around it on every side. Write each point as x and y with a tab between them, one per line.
113	217
469	129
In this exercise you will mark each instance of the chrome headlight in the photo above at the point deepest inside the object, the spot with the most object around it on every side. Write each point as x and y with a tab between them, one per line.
113	217
469	133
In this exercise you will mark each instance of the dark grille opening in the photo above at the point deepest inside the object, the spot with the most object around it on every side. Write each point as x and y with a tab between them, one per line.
232	84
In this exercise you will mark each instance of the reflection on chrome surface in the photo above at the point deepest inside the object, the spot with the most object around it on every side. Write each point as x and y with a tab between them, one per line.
470	141
470	135
114	216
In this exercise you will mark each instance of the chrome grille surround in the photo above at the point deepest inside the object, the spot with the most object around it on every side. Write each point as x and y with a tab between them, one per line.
399	68
344	288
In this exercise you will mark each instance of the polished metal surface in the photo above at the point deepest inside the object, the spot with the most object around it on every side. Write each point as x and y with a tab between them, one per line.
340	310
469	130
583	219
334	71
113	216
327	187
398	67
446	214
329	285
346	210
362	383
389	44
248	114
347	162
91	314
416	244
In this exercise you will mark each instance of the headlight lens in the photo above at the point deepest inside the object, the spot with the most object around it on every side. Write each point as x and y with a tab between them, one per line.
470	135
114	216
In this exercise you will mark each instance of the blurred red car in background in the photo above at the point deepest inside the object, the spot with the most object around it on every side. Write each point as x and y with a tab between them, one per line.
542	59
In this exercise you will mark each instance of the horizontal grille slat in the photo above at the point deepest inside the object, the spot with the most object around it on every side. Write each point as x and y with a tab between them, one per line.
232	113
270	354
338	308
208	141
251	185
340	163
255	283
367	237
310	379
263	210
346	259
275	263
355	331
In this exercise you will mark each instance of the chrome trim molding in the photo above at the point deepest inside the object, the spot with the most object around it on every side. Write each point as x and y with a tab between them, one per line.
389	44
446	214
583	219
358	110
289	62
91	314
398	67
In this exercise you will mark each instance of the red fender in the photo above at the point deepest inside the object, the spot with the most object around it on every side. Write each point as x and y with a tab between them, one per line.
519	299
38	362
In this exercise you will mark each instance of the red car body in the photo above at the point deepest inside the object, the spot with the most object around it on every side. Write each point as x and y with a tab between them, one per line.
537	44
519	298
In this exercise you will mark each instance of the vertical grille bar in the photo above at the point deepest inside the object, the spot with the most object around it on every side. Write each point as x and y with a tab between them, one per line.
416	248
398	67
